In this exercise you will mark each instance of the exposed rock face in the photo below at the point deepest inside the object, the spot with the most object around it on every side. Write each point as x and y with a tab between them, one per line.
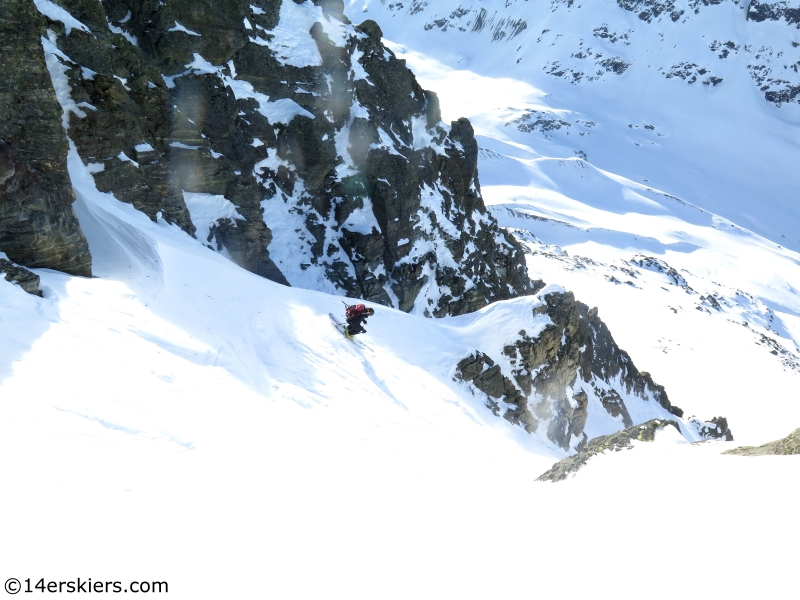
21	276
647	10
488	377
38	227
570	372
775	11
788	445
121	124
657	265
646	432
283	115
715	429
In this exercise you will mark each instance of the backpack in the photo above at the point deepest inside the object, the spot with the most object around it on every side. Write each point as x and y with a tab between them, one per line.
352	312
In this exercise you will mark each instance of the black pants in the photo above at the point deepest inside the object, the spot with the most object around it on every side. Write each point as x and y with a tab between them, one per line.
354	327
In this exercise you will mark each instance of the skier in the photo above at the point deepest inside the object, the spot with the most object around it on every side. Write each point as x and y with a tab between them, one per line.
356	316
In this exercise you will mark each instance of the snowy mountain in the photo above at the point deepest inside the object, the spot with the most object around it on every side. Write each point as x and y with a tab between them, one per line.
184	416
698	99
657	199
342	170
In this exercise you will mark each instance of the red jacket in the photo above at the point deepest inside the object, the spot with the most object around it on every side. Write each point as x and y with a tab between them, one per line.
356	312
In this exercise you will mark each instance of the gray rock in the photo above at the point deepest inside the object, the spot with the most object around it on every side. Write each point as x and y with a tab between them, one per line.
481	370
38	227
715	429
647	10
788	445
615	442
555	373
21	276
141	131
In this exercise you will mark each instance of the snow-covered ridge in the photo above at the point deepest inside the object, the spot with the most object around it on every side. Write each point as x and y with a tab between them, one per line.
677	95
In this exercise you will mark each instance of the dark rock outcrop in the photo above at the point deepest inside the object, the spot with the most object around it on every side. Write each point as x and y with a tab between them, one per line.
646	432
657	265
647	10
123	127
715	429
775	11
555	373
484	374
135	133
21	276
38	227
329	138
788	445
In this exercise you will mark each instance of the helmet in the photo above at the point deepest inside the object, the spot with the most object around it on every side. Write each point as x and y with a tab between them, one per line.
370	311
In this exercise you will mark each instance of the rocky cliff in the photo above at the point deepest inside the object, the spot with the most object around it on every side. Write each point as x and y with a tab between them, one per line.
276	132
571	378
38	227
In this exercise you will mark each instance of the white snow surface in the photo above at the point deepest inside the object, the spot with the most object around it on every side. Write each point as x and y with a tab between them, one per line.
125	158
291	39
182	29
55	61
188	417
720	146
176	418
57	13
123	33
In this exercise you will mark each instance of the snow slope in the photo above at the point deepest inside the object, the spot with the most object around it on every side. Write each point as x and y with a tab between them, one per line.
179	419
639	98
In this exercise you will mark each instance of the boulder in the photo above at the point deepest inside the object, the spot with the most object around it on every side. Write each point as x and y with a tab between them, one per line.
21	276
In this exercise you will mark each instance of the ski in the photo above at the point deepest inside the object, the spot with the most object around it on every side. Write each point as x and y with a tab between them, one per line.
340	327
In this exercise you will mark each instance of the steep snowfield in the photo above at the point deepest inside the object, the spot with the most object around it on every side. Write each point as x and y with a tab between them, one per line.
179	419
